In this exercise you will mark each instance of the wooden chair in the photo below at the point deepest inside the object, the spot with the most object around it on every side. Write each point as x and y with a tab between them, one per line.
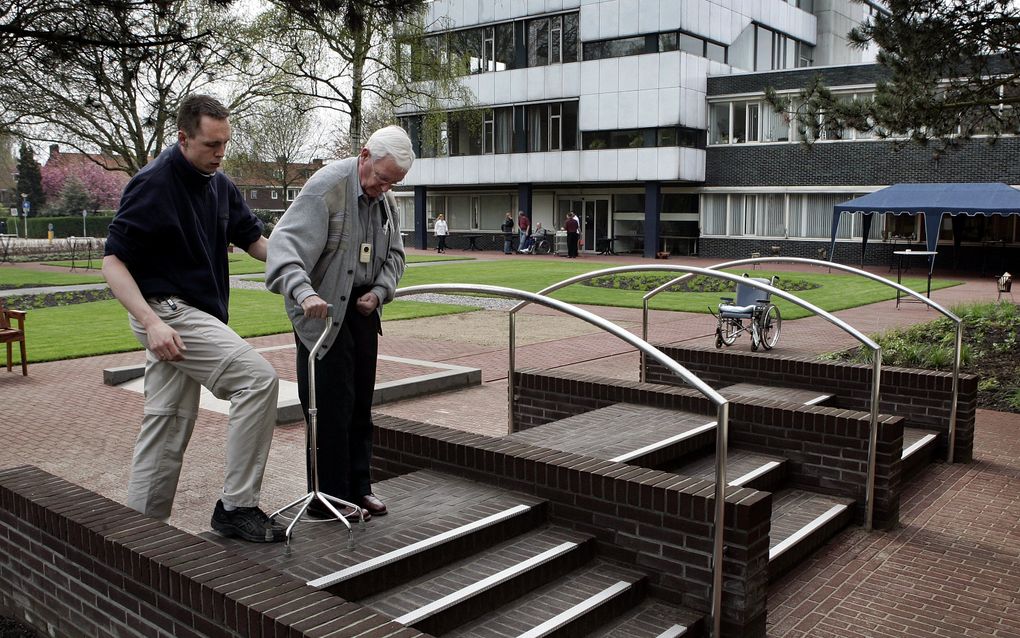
9	335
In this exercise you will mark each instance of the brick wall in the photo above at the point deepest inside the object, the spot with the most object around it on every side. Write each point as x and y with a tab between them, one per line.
654	520
73	563
826	448
921	397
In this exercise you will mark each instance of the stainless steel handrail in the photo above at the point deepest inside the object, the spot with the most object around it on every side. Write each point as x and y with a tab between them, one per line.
957	344
722	405
869	498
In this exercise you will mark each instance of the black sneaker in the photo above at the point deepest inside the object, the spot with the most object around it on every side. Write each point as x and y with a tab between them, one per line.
318	511
248	523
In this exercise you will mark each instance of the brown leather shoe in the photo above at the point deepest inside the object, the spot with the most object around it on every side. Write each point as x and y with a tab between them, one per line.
372	504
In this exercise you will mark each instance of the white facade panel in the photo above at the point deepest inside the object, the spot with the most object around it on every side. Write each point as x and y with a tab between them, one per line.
487	88
669	14
608	111
648	108
589	77
609	19
486	169
588	22
551	166
471	13
668	164
571	79
648	71
588	113
554	81
519	167
647	164
590	165
501	9
533	7
518	85
608	165
570	166
627	109
500	167
454	169
536	167
648	16
629	68
627	164
501	82
669	69
535	87
669	107
609	75
469	170
629	17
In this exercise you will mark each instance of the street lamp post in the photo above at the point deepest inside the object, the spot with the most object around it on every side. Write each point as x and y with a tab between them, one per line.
25	207
84	232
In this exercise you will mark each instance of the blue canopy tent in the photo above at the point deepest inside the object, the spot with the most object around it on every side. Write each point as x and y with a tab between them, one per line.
933	201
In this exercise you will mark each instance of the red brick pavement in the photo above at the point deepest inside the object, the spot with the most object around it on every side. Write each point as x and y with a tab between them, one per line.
951	569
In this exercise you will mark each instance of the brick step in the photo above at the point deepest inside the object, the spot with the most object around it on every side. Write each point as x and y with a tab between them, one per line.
918	450
433	519
744	468
775	393
652	436
577	604
655	619
802	522
462	591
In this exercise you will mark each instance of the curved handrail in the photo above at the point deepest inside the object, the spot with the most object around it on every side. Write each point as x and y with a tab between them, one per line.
957	343
869	496
722	405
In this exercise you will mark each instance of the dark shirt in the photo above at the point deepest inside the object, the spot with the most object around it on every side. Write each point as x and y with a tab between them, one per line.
508	225
173	228
570	225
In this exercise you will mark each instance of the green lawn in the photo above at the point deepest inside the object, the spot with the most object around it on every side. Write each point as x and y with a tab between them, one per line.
834	292
15	277
101	327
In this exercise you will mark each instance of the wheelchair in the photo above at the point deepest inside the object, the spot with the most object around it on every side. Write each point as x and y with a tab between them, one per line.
762	317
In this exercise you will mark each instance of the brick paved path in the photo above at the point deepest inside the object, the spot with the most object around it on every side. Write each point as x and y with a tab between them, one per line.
951	569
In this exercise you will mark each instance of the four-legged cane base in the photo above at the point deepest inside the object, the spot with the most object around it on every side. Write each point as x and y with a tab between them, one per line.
325	499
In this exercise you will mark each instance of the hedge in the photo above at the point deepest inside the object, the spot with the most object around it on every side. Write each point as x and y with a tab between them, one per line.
64	226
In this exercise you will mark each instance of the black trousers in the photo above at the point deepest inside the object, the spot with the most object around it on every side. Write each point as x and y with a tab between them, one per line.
344	384
441	243
572	244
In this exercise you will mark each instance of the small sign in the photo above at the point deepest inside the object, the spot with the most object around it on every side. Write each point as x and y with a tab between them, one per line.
26	206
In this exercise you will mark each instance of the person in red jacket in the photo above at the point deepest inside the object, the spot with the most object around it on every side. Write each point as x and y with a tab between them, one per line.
573	228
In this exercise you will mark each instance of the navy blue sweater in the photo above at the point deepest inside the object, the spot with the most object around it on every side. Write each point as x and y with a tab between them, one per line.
172	231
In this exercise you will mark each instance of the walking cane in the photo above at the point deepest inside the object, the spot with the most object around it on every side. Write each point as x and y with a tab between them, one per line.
312	445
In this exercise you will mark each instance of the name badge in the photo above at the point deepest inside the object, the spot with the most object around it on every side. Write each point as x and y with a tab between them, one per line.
365	255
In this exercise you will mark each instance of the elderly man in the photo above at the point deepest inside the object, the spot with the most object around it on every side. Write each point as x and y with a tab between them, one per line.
339	244
166	262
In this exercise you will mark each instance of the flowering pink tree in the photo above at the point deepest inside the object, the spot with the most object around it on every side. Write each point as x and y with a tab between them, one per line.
102	186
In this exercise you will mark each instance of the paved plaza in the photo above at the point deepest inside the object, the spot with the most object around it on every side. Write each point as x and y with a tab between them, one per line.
952	567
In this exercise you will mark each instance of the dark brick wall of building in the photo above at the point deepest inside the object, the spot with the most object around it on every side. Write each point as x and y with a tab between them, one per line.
826	447
657	521
871	162
921	397
73	563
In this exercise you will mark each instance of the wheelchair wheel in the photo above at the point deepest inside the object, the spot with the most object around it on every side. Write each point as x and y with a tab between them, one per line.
727	331
542	247
770	324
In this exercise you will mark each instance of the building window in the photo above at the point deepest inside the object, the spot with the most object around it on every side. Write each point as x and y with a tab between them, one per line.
551	127
292	194
273	194
552	40
253	194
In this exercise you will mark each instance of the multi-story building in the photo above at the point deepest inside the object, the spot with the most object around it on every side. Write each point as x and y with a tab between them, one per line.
647	118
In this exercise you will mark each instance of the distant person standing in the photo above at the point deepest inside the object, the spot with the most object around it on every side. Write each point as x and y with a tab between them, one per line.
166	262
573	227
508	232
441	230
524	226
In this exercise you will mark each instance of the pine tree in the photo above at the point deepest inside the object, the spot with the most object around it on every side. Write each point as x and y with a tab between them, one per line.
30	179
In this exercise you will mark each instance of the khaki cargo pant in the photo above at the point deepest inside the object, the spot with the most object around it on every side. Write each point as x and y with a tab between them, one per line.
217	358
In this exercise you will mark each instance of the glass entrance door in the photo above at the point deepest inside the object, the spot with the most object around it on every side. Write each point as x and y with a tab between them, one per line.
593	215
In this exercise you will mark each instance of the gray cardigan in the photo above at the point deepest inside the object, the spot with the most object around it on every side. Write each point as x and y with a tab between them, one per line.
314	250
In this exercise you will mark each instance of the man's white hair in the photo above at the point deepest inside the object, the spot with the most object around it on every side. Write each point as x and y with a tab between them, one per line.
392	141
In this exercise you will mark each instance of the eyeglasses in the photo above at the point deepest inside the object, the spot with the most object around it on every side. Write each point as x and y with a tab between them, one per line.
385	181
